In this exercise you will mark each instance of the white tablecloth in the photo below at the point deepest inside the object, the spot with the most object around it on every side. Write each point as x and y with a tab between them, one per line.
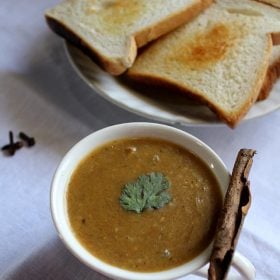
41	95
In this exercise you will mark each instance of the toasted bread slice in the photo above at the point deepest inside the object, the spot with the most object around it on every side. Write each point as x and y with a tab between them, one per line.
263	13
220	58
110	31
274	3
273	73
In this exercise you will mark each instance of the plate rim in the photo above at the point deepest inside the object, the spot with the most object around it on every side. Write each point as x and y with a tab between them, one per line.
162	119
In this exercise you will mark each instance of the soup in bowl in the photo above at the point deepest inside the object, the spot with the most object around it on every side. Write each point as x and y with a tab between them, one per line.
139	201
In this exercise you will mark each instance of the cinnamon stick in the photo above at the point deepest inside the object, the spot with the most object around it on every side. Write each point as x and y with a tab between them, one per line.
236	205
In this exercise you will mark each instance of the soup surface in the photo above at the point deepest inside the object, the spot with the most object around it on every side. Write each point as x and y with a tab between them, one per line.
156	239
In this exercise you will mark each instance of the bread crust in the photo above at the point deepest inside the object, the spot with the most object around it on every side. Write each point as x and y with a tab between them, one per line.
276	38
230	119
170	23
273	73
269	3
119	66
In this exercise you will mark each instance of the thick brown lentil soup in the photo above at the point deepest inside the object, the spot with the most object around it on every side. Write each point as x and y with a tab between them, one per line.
153	240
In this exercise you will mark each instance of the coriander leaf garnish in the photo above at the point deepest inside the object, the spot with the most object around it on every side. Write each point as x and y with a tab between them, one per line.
148	191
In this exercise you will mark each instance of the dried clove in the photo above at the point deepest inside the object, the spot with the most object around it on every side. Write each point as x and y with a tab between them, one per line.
30	141
11	148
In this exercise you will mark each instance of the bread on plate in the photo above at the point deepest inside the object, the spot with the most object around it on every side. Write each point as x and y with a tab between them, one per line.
220	58
273	73
110	31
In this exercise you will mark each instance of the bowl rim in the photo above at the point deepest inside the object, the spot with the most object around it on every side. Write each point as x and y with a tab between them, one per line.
63	227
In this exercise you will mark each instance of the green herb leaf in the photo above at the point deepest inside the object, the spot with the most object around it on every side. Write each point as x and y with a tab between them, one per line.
148	191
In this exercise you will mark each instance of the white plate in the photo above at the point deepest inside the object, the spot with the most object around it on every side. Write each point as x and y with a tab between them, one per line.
166	108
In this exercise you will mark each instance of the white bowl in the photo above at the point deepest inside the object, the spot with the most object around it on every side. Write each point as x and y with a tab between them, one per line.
83	148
